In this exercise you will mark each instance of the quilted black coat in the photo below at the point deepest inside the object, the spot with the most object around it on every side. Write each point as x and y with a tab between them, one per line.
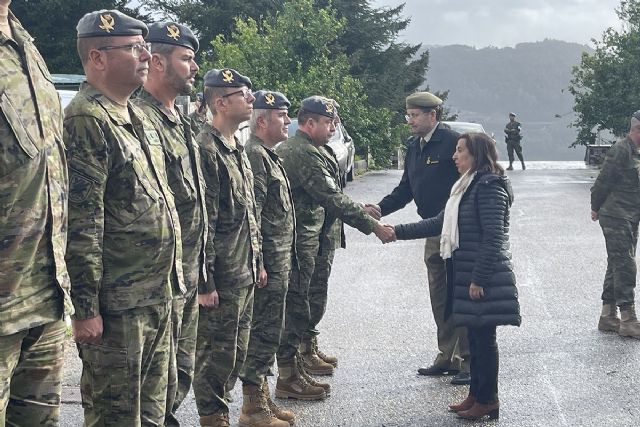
483	255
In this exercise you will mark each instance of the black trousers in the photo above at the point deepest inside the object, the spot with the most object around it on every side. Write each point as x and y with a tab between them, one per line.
484	363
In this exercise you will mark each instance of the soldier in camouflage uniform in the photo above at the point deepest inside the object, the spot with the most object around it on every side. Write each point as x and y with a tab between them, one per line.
513	136
615	202
34	284
172	71
315	195
275	214
233	261
124	250
199	116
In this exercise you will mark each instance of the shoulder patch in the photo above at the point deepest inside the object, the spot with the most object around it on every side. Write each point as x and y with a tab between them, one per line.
79	186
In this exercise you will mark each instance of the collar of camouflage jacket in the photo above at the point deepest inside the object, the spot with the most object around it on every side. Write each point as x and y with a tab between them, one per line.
113	110
216	133
254	140
172	116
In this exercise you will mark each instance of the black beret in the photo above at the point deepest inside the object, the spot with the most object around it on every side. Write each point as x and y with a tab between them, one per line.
172	33
109	23
268	100
319	105
227	77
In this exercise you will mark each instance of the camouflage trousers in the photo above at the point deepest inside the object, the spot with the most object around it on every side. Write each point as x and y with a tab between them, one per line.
184	318
244	331
297	311
266	328
124	379
621	238
514	146
319	290
31	375
216	347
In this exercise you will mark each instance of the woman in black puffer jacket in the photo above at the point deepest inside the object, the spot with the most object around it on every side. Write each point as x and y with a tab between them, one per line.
481	290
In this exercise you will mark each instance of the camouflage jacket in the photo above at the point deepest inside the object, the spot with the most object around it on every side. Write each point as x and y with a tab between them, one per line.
197	122
233	242
616	191
124	233
184	172
315	192
274	206
34	283
332	234
512	131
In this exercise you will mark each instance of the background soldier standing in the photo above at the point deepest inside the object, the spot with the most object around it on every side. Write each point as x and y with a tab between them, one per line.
34	283
172	71
429	174
513	137
275	214
233	244
199	116
615	201
124	234
315	195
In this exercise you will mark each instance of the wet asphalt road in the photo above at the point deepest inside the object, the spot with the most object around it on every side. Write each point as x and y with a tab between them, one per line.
555	370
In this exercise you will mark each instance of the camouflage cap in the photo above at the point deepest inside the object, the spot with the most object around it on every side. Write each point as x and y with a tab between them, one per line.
172	33
227	77
423	100
268	100
109	23
319	105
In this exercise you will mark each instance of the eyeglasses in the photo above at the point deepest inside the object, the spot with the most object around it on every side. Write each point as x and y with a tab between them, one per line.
136	48
414	116
246	94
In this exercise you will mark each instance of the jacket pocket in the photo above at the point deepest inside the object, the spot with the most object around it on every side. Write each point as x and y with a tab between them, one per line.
106	384
24	140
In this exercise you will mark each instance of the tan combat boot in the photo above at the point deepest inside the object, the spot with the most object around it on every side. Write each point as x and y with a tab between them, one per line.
282	414
311	362
308	378
609	320
291	385
255	412
219	419
629	325
332	360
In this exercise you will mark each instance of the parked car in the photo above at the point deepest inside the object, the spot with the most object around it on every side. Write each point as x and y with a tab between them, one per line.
67	86
464	127
342	145
66	96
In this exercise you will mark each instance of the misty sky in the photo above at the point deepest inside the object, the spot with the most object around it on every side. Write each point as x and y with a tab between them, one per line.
501	23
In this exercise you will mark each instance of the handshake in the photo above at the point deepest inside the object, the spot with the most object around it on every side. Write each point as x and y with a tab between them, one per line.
385	232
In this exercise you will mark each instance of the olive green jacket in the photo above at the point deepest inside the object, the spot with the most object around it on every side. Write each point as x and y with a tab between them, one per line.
34	283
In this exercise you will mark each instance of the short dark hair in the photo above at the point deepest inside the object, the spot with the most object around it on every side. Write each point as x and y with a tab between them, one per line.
162	48
483	150
437	109
211	93
304	116
86	44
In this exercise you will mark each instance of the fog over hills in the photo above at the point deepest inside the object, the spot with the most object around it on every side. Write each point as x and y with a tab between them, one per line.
529	79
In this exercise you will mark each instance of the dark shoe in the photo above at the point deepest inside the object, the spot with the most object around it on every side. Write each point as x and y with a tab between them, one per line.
510	168
461	378
436	371
465	405
480	410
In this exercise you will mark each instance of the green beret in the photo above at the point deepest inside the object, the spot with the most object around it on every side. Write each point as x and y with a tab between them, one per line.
268	100
227	77
423	100
319	105
109	23
172	33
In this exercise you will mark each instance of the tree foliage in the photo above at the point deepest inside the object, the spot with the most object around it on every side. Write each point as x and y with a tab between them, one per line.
52	23
606	84
293	54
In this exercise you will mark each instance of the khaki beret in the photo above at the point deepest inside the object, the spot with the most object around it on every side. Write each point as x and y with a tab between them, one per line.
423	100
109	23
172	33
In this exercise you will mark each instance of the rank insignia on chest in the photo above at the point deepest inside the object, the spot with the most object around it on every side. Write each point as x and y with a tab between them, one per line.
431	161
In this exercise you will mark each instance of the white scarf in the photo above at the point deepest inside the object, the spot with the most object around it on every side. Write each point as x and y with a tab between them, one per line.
450	237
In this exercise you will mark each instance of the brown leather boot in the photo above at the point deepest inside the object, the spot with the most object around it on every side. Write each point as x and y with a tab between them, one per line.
291	385
480	410
332	360
308	378
465	405
311	362
629	325
283	414
218	419
609	320
255	412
